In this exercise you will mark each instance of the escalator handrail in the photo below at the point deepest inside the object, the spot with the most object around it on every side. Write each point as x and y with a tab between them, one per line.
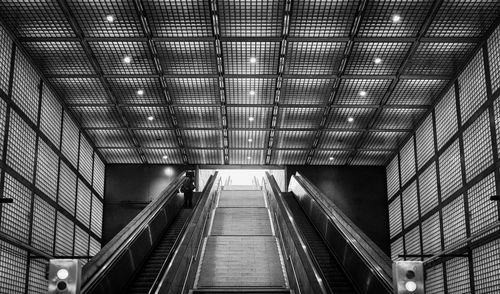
108	255
379	263
289	220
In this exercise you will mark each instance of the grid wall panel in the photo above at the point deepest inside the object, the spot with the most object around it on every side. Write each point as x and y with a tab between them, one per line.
70	140
64	236
179	18
205	156
241	139
412	241
313	58
407	161
128	155
13	262
83	204
110	56
110	138
397	249
431	235
371	157
496	107
478	151
67	188
330	157
339	117
450	175
246	156
21	146
51	116
472	91
81	242
127	90
15	218
3	120
446	118
428	189
399	118
97	116
434	283
187	57
25	91
337	139
486	262
457	275
363	54
237	55
425	141
454	222
416	92
98	175
238	91
80	90
383	139
138	117
37	283
258	18
156	138
305	91
392	172
94	247
293	139
238	117
199	117
85	159
156	156
5	56
362	91
395	221
494	59
202	138
194	90
42	234
291	157
96	216
46	170
410	204
482	212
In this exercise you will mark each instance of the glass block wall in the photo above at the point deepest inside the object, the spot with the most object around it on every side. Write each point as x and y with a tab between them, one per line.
51	172
440	183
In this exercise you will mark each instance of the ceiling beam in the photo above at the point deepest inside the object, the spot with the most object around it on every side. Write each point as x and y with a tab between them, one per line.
251	129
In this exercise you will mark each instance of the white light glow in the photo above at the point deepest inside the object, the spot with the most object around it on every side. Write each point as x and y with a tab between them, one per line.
252	92
377	60
140	92
169	171
362	93
350	119
253	60
110	18
251	118
165	157
396	18
331	158
411	286
250	140
249	157
127	59
62	274
151	117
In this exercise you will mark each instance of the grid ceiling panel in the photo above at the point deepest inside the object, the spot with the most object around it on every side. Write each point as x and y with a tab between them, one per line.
205	156
256	18
313	58
238	117
364	54
416	92
319	18
156	138
307	118
92	15
246	156
439	58
179	18
194	91
371	157
399	118
337	139
187	57
127	90
202	138
339	117
97	116
138	116
306	91
110	138
110	56
381	139
156	156
241	139
121	155
362	91
329	157
237	57
238	91
292	157
199	117
494	59
464	18
80	90
378	18
294	139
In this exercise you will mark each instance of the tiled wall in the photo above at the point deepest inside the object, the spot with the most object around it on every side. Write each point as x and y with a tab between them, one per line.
50	171
440	183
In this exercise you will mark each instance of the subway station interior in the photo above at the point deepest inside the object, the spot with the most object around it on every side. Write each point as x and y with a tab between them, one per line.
334	146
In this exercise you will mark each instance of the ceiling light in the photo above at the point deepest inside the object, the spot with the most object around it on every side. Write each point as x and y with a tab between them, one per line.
331	158
127	59
251	118
249	157
110	18
165	157
377	60
250	140
362	93
140	92
350	119
252	92
151	117
396	18
253	60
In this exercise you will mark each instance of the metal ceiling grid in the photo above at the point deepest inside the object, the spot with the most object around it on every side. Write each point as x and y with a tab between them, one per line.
338	139
237	56
247	156
111	56
362	91
239	117
250	91
369	157
299	118
293	139
400	118
205	156
80	90
306	91
340	117
147	117
120	155
199	117
156	138
193	90
137	90
258	18
384	139
362	60
313	58
202	138
182	58
109	138
293	157
163	156
416	92
329	157
97	116
248	139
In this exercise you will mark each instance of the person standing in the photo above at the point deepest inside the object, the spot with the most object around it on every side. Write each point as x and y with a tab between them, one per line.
187	188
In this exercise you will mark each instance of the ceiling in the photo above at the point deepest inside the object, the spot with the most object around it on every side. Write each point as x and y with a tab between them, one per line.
315	70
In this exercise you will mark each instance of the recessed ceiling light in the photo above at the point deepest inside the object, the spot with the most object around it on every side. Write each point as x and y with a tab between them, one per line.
331	158
350	119
165	157
377	60
253	60
110	18
362	93
251	118
151	117
127	59
250	140
140	92
252	92
249	157
396	18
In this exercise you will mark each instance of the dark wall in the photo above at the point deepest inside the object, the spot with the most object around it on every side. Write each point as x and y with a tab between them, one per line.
129	188
359	191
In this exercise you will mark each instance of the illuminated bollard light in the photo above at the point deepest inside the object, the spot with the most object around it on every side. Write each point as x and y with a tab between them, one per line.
408	277
64	276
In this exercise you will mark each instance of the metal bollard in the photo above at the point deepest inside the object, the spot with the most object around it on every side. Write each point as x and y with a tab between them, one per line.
64	276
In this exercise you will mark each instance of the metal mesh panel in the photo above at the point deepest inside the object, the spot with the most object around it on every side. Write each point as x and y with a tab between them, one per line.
472	90
446	118
94	247
110	56
97	116
486	261
496	107
305	91
202	138
494	59
83	203
5	56
431	235
241	139
454	222
50	116
205	156
384	139
477	146
156	138
67	188
188	57
450	173
126	90
121	155
85	159
174	156
81	242
138	117
37	283
330	157
395	222
416	92
3	118
428	189
299	117
397	249
293	157
194	90
294	139
392	172
13	262
407	161
25	91
425	141
410	205
15	220
21	146
70	140
238	91
412	241
457	275
110	138
251	18
368	157
399	118
98	176
334	139
313	58
237	55
199	117
80	90
246	156
238	117
42	232
482	212
96	216
363	54
339	117
64	236
434	283
46	170
362	91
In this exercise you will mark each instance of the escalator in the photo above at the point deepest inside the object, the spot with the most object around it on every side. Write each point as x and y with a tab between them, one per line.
330	268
